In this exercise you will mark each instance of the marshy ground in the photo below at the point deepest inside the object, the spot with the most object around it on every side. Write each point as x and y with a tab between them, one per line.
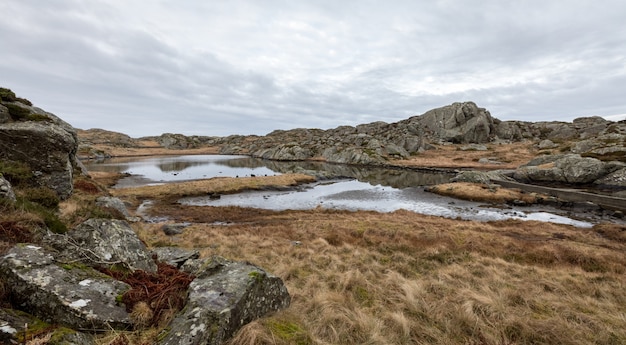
404	278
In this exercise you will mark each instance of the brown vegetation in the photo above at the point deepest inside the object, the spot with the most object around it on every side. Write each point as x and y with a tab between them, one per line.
404	278
390	278
154	297
485	193
452	156
221	185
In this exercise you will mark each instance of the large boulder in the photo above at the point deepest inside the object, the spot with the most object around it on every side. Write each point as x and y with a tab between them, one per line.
43	141
224	296
570	168
460	123
74	296
104	242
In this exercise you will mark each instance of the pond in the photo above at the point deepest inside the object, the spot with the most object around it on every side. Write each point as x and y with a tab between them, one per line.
339	187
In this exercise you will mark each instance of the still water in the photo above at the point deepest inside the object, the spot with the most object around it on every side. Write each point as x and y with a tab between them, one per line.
340	187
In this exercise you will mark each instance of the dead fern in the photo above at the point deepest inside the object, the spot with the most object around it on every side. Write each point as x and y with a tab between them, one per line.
163	292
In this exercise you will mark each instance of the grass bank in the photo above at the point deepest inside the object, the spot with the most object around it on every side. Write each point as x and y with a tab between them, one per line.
404	278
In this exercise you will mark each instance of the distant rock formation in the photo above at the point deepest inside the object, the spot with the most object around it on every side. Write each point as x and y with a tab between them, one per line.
460	123
380	143
43	141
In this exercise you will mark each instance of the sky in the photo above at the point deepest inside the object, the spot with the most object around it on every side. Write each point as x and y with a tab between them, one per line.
216	68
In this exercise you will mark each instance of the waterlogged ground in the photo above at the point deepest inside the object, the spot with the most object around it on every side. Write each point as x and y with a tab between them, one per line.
355	195
360	188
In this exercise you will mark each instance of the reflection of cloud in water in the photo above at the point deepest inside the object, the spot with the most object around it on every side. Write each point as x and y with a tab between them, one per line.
355	195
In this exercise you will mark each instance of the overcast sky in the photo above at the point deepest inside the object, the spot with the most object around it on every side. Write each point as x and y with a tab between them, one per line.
248	67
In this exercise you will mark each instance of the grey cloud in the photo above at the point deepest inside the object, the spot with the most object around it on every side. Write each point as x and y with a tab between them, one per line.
219	68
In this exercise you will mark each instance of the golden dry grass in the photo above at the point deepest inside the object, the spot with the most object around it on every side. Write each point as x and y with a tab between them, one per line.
484	193
404	278
451	156
222	185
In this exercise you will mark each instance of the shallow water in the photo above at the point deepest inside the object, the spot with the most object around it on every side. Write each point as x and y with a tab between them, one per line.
342	187
164	169
355	195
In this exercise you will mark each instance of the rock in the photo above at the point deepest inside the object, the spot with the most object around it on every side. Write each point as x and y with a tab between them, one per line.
48	145
547	144
474	147
4	114
460	123
6	191
105	242
174	229
175	256
11	323
585	145
570	168
614	179
509	130
562	132
76	297
224	296
114	204
474	176
489	160
579	170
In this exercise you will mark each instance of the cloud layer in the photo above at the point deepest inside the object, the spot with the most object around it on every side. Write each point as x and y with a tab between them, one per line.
249	67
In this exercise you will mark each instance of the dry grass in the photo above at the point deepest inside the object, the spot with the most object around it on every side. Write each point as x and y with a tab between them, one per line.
484	193
404	278
451	156
221	185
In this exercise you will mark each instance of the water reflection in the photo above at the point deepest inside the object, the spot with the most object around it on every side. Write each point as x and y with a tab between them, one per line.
154	170
354	195
363	188
147	170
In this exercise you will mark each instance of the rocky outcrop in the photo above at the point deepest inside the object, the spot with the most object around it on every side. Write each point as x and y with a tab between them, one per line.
43	141
73	296
108	242
460	123
218	306
571	169
485	177
6	191
57	283
616	179
375	143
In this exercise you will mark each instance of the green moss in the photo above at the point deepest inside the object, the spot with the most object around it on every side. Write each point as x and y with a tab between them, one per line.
36	327
289	331
18	173
6	95
76	265
17	112
362	296
258	276
50	218
37	117
119	299
59	336
23	101
44	196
